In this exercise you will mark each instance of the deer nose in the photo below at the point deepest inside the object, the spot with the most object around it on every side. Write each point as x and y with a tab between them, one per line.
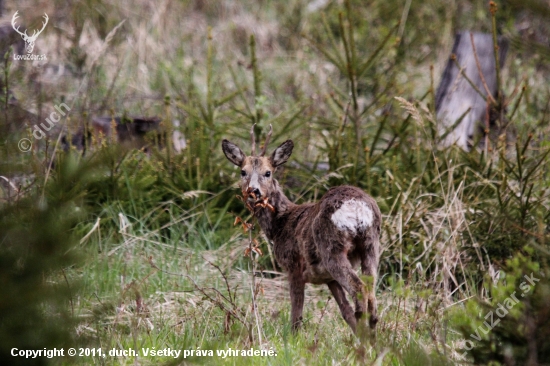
256	192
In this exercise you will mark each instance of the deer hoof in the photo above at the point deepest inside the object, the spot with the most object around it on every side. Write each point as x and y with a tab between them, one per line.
372	321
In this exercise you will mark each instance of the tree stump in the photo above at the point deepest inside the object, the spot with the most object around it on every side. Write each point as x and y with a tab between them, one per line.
465	114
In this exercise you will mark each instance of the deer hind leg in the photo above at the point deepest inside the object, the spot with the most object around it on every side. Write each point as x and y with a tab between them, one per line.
343	304
339	267
369	267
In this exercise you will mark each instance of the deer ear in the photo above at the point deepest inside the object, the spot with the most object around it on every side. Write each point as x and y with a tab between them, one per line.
233	153
282	153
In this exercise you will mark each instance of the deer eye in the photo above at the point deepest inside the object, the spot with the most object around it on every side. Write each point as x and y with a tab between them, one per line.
268	174
243	173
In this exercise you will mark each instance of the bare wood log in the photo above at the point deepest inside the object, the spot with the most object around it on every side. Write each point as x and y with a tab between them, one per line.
467	95
129	131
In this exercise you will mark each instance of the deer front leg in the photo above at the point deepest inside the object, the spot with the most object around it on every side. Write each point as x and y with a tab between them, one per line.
297	287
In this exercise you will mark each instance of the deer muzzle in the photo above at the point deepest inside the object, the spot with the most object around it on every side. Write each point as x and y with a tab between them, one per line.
253	194
254	191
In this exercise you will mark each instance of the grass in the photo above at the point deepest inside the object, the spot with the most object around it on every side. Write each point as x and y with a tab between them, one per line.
142	292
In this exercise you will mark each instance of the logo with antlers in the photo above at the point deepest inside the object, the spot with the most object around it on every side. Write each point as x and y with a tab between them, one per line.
29	40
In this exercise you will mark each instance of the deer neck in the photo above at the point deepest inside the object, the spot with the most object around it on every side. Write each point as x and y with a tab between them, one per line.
270	221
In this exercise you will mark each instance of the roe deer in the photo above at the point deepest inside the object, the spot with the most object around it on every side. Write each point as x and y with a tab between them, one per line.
314	242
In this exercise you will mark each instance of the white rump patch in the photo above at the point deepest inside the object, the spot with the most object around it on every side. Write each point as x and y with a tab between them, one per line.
353	215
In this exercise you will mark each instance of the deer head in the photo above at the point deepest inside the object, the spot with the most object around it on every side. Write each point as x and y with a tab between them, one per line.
29	40
257	170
